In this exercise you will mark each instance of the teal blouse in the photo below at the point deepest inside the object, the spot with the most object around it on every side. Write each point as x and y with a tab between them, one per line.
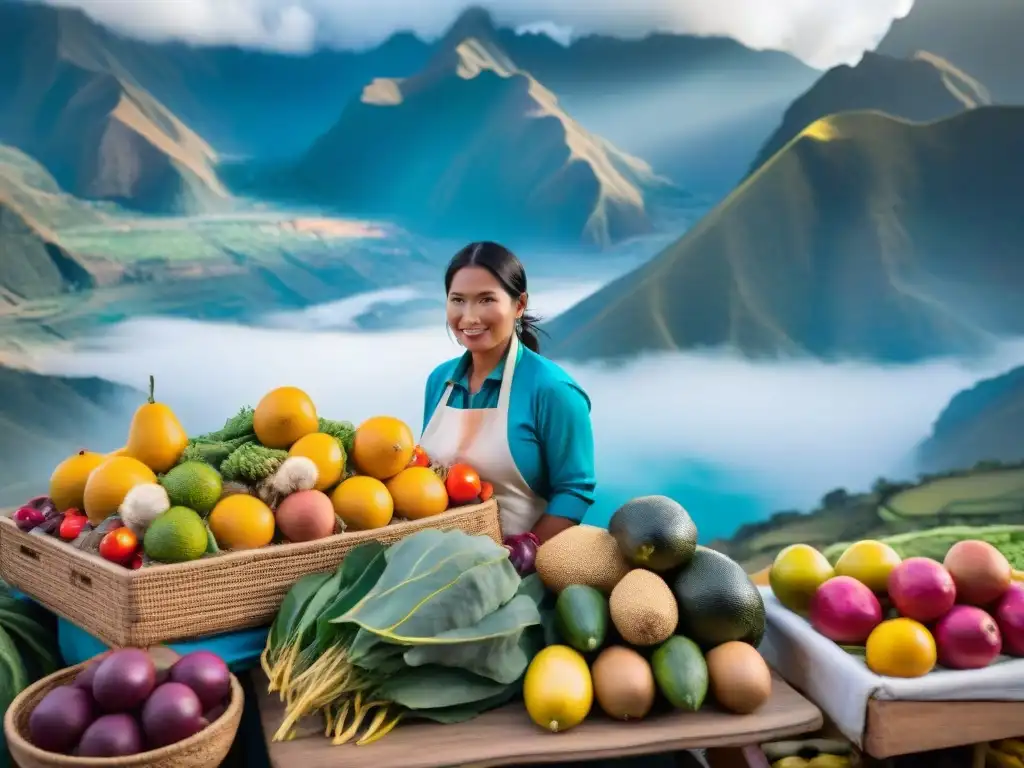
549	429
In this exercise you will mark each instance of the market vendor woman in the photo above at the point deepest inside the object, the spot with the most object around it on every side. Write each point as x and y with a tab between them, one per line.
513	415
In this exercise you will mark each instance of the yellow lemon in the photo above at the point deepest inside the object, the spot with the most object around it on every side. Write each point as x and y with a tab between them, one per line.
67	483
283	416
418	493
241	521
326	453
900	648
558	689
382	447
869	562
108	484
796	574
363	503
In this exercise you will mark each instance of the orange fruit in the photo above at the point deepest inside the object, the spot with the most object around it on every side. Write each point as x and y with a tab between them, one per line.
283	416
109	483
383	446
869	562
241	521
900	648
362	503
418	492
67	483
796	574
324	451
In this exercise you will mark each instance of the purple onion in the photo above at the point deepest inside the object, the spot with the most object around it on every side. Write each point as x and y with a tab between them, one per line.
27	518
522	551
206	674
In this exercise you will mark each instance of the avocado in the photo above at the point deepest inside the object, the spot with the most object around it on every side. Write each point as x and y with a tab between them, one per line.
581	616
717	601
681	673
654	532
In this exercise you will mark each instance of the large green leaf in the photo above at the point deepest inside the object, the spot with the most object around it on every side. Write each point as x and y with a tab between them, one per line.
360	570
490	648
459	713
304	630
433	687
435	582
292	607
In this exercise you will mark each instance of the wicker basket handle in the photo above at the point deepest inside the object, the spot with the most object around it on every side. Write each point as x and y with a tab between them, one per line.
31	554
81	580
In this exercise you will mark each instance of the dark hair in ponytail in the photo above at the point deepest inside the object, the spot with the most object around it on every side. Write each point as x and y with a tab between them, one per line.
508	271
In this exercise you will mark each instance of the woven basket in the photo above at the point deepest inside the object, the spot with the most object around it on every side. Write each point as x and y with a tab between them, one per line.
207	749
164	603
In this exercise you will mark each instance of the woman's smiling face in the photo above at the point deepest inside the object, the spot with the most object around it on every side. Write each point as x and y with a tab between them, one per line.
480	312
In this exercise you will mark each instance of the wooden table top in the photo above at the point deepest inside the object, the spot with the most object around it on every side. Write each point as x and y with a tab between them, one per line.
506	736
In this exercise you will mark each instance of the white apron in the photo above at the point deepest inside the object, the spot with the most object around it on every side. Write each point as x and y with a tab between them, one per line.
479	438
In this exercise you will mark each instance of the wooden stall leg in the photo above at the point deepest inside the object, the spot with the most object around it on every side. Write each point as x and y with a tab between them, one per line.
736	757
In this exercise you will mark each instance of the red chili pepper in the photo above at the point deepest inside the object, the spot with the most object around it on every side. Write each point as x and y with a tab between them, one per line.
71	526
119	546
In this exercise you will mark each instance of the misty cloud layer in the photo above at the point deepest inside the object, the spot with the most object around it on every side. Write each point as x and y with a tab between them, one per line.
781	432
821	32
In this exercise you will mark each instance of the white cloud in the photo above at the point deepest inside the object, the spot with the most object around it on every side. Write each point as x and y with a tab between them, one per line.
822	32
786	432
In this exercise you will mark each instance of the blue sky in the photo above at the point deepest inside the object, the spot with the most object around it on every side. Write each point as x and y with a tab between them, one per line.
821	32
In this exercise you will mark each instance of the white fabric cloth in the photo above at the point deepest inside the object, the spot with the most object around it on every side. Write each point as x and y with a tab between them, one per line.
840	683
479	437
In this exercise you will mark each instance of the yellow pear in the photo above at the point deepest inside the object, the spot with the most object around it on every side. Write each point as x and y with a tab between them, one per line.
156	437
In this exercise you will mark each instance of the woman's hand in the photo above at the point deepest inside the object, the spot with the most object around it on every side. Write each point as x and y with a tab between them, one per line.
551	525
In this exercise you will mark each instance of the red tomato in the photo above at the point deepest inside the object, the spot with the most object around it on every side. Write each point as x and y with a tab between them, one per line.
119	546
463	483
136	561
74	511
486	491
419	458
71	526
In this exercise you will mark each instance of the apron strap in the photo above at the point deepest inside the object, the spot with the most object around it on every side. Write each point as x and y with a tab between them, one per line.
505	393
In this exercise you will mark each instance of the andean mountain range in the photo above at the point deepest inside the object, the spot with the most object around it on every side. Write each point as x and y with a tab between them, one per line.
776	268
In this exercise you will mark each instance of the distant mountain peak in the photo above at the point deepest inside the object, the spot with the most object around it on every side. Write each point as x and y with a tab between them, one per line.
492	146
474	21
466	60
923	88
916	219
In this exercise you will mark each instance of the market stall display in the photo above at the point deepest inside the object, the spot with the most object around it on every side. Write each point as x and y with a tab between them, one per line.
172	537
908	615
132	706
506	736
877	631
441	626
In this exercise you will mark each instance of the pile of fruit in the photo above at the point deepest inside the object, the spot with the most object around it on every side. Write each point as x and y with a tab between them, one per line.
443	626
273	474
907	615
642	610
131	701
811	753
